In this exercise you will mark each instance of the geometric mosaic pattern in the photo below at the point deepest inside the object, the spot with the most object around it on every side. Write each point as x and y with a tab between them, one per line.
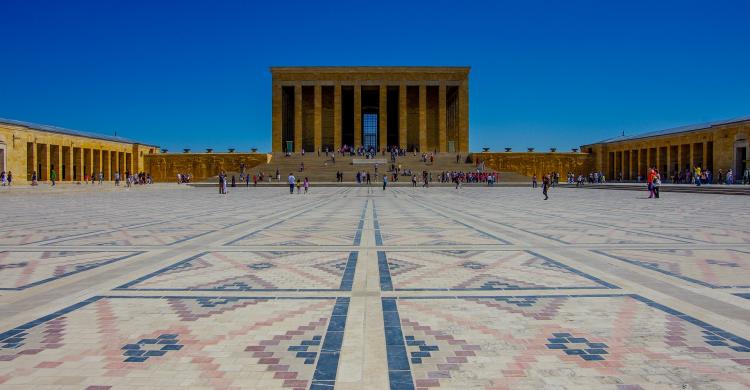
171	287
278	343
535	341
479	270
714	268
22	270
249	271
141	237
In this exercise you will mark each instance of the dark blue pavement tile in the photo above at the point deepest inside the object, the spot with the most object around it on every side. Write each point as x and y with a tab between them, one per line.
397	357
328	359
393	336
400	380
327	366
333	341
386	284
592	357
347	280
136	359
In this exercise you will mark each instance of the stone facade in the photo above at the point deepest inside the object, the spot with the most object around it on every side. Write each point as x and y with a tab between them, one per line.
73	155
718	145
535	163
200	166
422	108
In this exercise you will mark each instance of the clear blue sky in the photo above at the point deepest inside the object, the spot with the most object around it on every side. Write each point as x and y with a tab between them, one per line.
195	73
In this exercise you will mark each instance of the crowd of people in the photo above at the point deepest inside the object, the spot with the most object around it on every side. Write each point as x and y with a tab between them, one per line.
139	178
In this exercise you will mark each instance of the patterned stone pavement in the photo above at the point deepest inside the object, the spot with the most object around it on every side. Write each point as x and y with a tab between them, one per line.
170	287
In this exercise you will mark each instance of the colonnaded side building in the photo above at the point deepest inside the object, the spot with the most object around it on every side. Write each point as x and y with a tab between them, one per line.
27	147
416	108
713	145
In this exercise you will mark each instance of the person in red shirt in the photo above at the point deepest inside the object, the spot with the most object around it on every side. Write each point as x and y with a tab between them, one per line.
650	181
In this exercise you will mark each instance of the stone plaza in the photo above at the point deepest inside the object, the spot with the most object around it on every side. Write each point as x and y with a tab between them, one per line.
173	287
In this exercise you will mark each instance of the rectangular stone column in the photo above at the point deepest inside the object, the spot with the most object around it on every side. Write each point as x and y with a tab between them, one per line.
337	116
402	141
679	159
616	170
101	161
658	158
91	162
622	164
630	164
692	155
637	162
357	115
648	158
276	134
463	116
298	118
422	118
58	162
80	162
33	163
318	118
47	162
71	161
442	130
383	117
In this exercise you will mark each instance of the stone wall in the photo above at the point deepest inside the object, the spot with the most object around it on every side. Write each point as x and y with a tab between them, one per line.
201	166
536	163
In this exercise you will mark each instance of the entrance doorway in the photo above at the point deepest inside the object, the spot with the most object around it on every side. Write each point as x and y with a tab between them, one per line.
370	130
2	158
740	158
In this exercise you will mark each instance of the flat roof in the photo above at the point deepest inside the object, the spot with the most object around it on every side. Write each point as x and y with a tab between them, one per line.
370	69
674	130
62	130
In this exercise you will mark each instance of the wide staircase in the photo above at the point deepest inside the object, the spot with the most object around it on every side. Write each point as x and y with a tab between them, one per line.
323	169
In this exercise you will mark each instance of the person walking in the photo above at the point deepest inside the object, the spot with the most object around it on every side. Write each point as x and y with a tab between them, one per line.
52	177
545	186
291	180
221	183
117	179
533	182
299	187
33	179
656	183
650	182
3	178
697	176
385	181
10	178
101	177
306	184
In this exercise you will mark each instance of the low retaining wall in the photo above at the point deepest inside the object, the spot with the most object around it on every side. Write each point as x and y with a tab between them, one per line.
200	166
536	163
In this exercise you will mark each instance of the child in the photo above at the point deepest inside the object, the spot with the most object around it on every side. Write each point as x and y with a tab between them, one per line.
298	187
306	184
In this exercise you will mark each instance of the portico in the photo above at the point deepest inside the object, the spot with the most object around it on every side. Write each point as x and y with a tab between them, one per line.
414	108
